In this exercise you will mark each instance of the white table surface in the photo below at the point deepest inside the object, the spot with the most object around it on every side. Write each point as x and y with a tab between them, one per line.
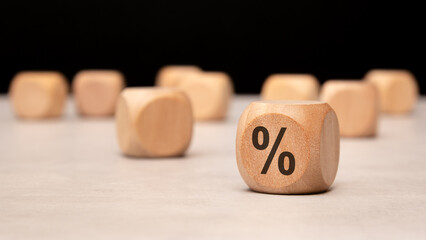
66	179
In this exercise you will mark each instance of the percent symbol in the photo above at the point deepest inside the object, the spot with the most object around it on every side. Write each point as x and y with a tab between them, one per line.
281	157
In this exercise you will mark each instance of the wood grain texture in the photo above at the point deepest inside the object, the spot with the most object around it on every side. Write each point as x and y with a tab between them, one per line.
153	122
36	95
311	136
290	87
356	104
398	90
72	182
96	91
170	76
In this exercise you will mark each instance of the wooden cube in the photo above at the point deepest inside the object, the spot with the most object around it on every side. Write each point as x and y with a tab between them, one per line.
153	122
170	76
288	147
96	91
38	94
290	87
398	90
210	94
356	104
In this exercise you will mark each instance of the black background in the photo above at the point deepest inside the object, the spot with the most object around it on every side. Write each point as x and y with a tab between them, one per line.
247	39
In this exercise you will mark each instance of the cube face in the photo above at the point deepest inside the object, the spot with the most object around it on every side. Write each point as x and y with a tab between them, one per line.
356	105
172	136
210	94
170	76
290	87
153	122
398	90
261	136
38	94
96	91
288	147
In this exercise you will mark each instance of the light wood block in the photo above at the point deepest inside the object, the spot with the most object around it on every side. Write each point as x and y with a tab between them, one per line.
356	104
96	91
153	122
290	87
210	94
398	90
38	94
170	76
288	147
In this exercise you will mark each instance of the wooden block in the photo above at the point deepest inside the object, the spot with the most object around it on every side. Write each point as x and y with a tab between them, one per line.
356	105
398	90
288	147
210	94
96	91
170	76
38	94
153	122
290	87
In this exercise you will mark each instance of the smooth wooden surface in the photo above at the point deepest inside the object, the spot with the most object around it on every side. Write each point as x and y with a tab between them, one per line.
356	104
301	153
96	91
153	122
290	87
38	94
170	76
398	90
210	94
66	179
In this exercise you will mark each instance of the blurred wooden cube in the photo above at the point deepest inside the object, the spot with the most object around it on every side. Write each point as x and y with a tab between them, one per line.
96	91
398	90
290	87
38	94
153	122
169	76
356	106
210	94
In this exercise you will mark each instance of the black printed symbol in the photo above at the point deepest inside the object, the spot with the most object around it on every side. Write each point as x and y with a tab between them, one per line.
281	157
